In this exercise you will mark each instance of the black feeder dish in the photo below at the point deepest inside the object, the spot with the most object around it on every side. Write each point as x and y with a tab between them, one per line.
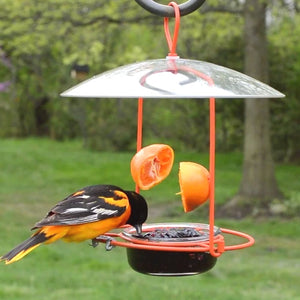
170	263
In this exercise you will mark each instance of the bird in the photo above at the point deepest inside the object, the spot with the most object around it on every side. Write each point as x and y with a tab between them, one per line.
83	215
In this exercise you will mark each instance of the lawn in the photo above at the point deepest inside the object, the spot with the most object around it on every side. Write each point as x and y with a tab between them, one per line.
37	173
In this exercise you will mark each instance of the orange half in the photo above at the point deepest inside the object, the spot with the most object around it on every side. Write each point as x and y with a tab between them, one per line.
151	165
194	185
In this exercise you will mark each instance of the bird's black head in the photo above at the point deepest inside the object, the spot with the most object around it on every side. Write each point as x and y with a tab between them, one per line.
139	210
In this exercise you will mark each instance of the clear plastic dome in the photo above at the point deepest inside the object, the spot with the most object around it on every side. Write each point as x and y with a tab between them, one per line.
172	78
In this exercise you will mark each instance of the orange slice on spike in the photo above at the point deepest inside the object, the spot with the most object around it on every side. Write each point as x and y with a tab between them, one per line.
194	185
151	165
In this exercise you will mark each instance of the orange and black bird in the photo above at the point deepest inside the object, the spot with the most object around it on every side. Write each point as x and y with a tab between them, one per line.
85	214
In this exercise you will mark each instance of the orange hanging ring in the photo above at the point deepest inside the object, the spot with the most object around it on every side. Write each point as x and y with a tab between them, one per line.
175	257
128	239
172	43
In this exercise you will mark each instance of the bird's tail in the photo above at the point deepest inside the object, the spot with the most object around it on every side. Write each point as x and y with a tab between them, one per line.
24	248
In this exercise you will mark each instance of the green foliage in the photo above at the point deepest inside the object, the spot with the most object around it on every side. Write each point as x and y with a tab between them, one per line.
44	39
111	124
285	73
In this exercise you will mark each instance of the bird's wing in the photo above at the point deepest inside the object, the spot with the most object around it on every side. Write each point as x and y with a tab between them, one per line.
86	206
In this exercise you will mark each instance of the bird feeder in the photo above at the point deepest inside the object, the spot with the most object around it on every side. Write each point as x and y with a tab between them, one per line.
173	249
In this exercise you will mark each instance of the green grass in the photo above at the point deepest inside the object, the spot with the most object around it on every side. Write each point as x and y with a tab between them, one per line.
37	173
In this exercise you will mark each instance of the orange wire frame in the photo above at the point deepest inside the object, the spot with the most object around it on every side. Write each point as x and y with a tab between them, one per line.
139	137
215	244
203	246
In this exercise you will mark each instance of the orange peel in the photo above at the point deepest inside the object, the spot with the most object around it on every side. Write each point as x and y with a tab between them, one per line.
194	185
151	165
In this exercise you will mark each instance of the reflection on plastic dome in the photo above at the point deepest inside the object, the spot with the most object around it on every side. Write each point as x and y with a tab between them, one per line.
172	78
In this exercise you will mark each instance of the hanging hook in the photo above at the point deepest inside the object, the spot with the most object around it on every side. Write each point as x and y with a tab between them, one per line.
167	11
172	42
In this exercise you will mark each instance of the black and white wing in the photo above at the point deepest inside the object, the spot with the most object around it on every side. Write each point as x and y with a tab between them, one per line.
87	205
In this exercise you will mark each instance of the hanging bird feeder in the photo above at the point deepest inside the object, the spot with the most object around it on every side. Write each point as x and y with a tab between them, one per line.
173	249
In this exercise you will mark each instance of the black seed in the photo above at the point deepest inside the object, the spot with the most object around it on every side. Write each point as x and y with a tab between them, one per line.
173	233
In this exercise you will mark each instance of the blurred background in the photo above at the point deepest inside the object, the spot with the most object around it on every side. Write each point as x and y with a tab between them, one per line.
50	146
43	44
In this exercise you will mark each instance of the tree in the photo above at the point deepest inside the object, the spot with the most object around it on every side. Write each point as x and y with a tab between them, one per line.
258	185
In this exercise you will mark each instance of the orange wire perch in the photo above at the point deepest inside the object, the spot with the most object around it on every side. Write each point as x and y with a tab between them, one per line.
186	256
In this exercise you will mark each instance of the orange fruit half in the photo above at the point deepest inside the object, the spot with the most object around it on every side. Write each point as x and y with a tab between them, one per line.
194	185
151	165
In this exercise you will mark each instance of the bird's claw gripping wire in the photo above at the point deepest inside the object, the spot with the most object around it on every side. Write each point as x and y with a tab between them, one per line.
103	239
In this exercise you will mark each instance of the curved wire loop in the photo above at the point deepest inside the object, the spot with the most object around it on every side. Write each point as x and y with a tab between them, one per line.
167	11
204	246
172	42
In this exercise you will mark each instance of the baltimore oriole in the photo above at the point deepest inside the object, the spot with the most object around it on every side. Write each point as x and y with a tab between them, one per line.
85	214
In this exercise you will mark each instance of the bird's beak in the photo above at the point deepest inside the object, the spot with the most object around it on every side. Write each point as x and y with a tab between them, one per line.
138	228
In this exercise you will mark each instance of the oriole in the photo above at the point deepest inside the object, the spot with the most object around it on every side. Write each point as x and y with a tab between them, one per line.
85	214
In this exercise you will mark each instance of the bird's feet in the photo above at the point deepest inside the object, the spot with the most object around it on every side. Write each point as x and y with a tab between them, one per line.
101	239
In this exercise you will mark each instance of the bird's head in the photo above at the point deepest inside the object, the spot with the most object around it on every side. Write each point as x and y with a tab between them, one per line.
139	210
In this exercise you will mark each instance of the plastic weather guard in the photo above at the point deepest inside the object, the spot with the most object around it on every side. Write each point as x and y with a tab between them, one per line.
172	77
